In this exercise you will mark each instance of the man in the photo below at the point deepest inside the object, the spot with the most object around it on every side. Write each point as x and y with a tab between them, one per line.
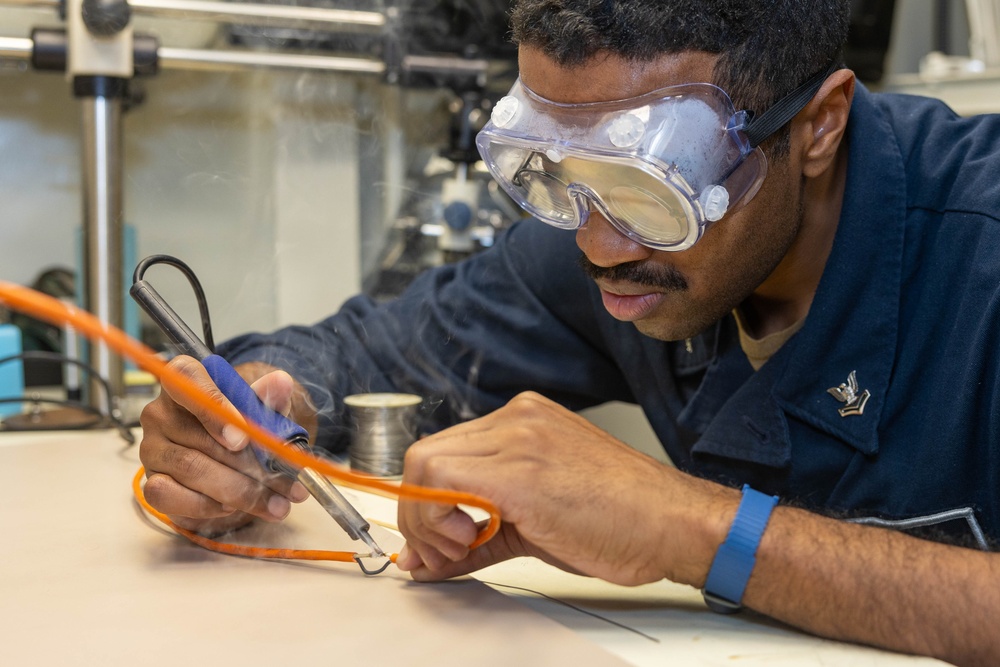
829	338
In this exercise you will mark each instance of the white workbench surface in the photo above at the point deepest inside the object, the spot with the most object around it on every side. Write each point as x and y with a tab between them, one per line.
87	580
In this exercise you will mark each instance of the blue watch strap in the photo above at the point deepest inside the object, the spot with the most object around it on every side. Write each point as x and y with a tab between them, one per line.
736	556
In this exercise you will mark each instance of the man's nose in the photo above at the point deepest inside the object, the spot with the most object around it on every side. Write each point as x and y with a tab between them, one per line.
605	246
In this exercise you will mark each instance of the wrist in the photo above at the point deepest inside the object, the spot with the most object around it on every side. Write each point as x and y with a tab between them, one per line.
736	557
700	517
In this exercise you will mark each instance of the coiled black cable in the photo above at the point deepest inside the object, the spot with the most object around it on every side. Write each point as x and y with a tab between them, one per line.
199	293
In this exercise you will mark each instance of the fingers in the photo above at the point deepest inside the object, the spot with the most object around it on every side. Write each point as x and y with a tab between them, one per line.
199	468
165	494
437	534
176	444
536	462
275	391
213	527
504	546
225	434
186	482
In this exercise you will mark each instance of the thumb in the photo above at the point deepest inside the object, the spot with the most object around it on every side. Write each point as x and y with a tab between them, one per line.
504	546
275	391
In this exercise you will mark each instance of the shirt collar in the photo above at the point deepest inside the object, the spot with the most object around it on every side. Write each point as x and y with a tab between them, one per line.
851	326
852	323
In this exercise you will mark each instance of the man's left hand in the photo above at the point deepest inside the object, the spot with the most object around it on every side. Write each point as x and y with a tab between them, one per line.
568	492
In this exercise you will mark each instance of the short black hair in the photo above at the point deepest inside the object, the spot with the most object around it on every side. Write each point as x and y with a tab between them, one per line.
767	47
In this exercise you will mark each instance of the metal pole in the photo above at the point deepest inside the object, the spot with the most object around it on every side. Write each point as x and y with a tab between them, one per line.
44	4
247	13
288	16
16	48
225	60
99	65
102	235
219	60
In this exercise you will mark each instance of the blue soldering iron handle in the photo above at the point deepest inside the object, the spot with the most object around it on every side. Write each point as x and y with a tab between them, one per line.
252	408
225	376
243	397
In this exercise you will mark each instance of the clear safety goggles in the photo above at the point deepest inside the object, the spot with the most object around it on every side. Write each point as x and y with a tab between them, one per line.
660	167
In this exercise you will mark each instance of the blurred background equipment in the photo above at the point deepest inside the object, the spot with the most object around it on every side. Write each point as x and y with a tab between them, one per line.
962	64
11	371
411	43
36	335
868	38
296	154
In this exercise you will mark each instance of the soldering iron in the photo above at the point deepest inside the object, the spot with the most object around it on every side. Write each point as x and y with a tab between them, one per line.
242	396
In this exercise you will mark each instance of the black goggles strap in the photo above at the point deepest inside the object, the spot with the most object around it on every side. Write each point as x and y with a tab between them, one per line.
784	110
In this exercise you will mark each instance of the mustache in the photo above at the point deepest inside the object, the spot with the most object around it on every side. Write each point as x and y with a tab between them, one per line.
664	278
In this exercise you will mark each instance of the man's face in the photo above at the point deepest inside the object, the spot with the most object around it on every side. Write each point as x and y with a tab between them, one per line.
671	295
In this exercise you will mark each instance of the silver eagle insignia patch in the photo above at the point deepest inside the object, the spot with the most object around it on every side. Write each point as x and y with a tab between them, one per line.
848	394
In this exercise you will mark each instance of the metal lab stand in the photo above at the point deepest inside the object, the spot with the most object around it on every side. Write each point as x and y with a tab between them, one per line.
100	53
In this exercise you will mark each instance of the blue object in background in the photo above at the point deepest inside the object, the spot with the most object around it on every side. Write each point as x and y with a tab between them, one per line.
11	372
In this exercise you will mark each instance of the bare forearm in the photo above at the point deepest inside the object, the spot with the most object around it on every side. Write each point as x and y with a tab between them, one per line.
878	587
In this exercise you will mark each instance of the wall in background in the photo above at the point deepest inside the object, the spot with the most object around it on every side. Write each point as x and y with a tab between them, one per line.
252	178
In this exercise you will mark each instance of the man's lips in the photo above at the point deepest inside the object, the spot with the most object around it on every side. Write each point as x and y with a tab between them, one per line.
631	303
631	291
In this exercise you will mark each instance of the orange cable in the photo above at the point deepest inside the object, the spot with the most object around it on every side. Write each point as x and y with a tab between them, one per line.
52	310
239	549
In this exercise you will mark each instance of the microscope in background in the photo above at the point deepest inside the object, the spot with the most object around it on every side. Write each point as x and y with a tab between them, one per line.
449	210
452	210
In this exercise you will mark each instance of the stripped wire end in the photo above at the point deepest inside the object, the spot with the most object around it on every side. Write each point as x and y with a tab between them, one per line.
370	541
384	562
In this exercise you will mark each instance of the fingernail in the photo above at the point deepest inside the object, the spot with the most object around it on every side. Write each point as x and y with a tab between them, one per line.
278	506
298	493
404	558
234	437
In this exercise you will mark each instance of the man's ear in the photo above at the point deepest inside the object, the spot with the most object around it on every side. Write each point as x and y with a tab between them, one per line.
823	122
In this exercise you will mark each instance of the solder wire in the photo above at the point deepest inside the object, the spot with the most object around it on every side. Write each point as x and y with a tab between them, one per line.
43	307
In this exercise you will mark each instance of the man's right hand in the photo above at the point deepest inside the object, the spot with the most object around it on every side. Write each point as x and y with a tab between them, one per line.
200	470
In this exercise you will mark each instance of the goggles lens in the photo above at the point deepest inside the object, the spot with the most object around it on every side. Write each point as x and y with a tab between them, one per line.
650	216
543	191
660	167
563	192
